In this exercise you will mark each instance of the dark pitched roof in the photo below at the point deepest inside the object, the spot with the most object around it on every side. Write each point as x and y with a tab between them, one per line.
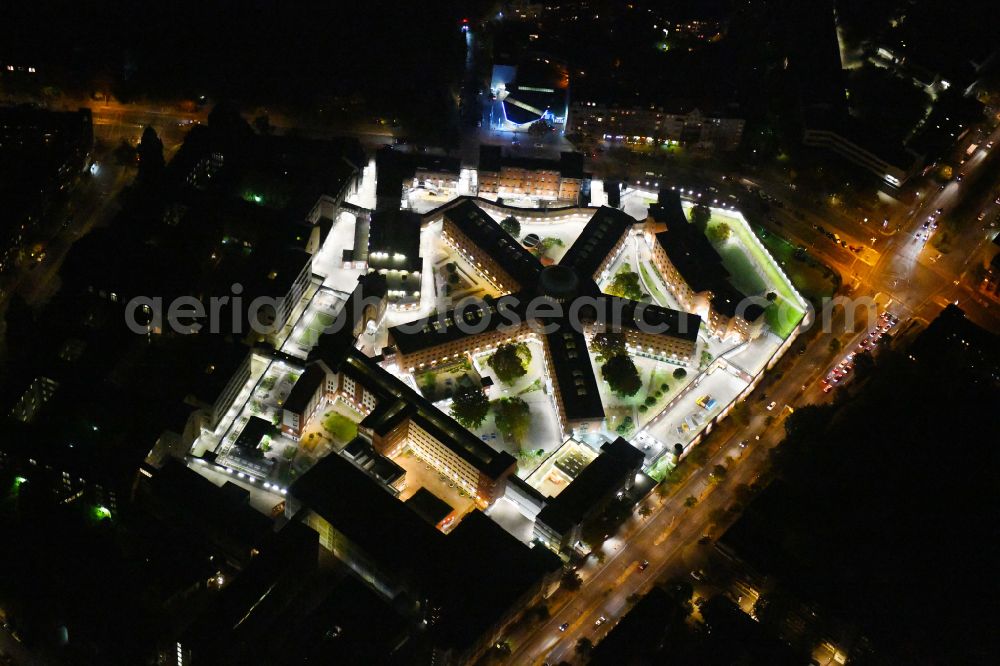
569	165
478	554
394	240
603	477
400	396
596	240
440	328
253	432
305	388
485	232
429	506
694	257
574	373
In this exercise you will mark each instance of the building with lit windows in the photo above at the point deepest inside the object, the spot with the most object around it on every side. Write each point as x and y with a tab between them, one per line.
693	271
686	125
571	285
463	588
393	418
501	175
613	471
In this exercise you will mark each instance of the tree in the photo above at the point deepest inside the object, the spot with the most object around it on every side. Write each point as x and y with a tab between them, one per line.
706	359
645	511
470	407
511	226
771	296
507	363
680	373
864	365
719	472
741	412
571	581
719	233
513	417
625	284
700	216
621	375
698	456
678	449
584	647
835	345
690	501
539	128
150	152
607	345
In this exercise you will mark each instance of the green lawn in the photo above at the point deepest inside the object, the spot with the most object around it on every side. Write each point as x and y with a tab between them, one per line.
740	255
661	468
741	269
813	279
341	428
652	284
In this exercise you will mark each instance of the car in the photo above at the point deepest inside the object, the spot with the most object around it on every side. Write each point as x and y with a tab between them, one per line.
827	388
981	216
960	176
771	405
698	575
564	626
643	565
601	620
939	211
743	444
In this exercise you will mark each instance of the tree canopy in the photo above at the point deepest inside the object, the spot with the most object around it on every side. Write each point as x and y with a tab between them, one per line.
625	284
622	376
700	216
511	225
513	417
719	233
470	407
150	152
510	362
607	345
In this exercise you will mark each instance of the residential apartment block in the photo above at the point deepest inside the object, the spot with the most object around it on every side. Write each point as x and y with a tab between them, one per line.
701	128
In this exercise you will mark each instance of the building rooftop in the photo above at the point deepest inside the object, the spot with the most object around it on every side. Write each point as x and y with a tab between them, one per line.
254	431
574	373
442	327
475	574
604	476
394	241
429	506
492	159
694	257
596	241
401	397
486	233
305	388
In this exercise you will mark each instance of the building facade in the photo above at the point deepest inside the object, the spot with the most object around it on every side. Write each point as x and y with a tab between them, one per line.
656	125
